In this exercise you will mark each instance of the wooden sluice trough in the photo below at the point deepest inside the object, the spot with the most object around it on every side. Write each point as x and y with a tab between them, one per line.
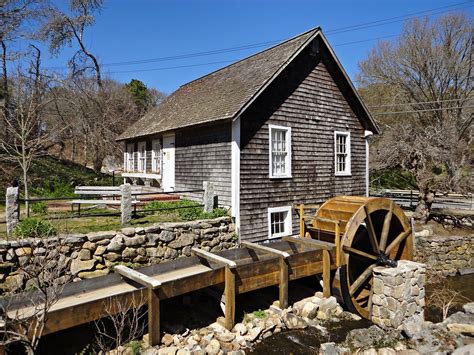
348	234
236	271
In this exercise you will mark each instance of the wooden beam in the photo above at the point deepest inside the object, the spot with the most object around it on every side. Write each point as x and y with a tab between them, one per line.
154	331
310	242
215	258
229	294
265	249
283	286
136	276
326	273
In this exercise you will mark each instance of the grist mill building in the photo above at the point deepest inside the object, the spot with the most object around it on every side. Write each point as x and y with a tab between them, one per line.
281	127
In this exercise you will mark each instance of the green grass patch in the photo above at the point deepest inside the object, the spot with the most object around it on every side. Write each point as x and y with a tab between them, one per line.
34	228
187	210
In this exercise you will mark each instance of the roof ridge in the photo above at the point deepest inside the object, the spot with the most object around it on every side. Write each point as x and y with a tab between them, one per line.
314	29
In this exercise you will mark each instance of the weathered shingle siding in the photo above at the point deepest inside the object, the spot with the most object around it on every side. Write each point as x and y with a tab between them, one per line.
307	99
204	154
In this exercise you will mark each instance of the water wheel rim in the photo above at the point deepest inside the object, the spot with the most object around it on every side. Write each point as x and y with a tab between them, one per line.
359	287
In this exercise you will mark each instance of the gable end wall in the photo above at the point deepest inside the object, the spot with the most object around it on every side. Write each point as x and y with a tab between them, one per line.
306	98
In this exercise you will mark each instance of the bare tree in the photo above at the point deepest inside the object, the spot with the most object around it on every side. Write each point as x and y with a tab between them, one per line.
63	29
125	322
24	314
27	132
429	71
14	15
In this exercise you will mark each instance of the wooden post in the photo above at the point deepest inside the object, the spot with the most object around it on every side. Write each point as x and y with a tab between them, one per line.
326	274
301	221
154	336
338	244
283	287
229	293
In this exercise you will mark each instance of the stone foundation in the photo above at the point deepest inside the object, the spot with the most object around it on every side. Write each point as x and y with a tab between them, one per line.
399	295
94	254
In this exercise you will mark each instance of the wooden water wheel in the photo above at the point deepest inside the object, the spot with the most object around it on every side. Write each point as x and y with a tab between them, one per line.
367	232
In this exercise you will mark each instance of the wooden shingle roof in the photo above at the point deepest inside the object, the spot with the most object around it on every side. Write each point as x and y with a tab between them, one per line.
221	94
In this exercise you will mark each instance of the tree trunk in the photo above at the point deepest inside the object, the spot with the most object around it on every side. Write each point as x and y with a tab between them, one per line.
425	201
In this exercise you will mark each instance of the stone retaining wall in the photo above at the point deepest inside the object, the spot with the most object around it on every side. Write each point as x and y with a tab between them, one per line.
94	254
445	255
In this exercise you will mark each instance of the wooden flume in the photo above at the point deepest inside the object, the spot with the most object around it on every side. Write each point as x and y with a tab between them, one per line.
342	242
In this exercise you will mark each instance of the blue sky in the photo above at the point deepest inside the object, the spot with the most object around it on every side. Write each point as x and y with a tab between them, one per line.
129	30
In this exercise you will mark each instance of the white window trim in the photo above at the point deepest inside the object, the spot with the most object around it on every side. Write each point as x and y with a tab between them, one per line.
288	147
141	169
155	154
347	172
288	222
129	157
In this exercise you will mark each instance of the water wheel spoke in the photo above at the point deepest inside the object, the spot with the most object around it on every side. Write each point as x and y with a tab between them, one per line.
359	253
361	279
371	231
386	228
400	238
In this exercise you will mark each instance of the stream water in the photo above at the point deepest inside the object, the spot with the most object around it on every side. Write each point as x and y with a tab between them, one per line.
307	341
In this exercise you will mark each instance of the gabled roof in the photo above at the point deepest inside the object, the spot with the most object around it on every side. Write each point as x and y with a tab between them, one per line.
227	92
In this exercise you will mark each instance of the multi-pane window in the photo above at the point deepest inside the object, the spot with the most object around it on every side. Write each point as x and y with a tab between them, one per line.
142	157
279	221
129	162
342	151
156	156
280	151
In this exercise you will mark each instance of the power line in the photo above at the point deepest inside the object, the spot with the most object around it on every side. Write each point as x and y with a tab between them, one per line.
420	103
175	67
262	44
227	61
424	110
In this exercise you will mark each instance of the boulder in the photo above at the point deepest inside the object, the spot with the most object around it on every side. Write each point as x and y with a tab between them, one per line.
75	239
129	253
309	310
135	241
14	282
253	334
84	254
98	236
182	241
240	328
166	236
129	232
225	337
78	265
167	339
100	250
171	350
464	350
462	328
23	251
469	308
213	347
292	321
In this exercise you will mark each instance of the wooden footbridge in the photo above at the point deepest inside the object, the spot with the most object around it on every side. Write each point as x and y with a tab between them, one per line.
342	242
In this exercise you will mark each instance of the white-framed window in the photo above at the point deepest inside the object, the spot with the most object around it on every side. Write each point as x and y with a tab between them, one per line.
142	157
279	222
280	151
342	153
128	157
156	156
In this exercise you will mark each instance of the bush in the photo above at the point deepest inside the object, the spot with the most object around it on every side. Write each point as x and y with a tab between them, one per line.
192	211
53	188
39	207
34	228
